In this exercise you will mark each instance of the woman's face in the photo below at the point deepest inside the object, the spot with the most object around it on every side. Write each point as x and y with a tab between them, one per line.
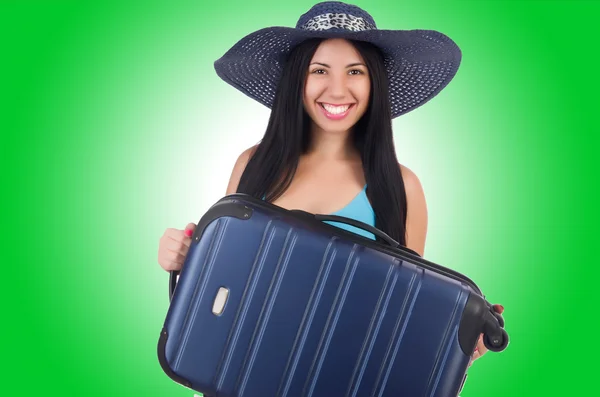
337	87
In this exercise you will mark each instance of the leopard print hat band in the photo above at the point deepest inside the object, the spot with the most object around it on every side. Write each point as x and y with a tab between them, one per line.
336	15
419	63
339	21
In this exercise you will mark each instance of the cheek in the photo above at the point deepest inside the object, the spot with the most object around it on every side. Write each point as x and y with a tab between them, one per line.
312	90
361	91
365	90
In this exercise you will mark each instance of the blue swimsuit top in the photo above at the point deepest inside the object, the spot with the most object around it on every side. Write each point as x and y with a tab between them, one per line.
359	209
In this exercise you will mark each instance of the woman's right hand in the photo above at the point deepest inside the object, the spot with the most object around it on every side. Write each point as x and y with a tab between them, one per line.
173	247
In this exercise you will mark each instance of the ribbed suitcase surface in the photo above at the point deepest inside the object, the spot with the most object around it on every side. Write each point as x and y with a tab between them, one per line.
312	311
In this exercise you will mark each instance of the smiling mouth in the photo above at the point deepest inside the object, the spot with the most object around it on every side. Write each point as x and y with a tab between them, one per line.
335	112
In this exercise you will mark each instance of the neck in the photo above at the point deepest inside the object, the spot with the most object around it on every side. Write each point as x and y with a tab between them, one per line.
329	145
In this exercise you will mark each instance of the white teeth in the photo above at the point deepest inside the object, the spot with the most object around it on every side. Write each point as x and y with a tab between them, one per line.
335	109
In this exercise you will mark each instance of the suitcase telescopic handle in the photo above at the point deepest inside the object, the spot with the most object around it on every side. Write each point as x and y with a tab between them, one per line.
358	224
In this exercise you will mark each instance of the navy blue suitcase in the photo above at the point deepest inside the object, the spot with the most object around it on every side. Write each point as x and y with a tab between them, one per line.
272	302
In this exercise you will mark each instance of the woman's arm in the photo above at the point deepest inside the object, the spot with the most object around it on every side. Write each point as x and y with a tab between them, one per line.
238	170
416	222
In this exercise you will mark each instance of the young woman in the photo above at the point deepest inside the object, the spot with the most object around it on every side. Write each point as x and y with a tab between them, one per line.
334	84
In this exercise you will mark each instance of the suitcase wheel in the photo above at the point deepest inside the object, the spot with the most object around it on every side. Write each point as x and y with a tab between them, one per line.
497	341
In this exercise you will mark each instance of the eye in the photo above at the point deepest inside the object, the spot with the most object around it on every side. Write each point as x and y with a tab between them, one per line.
356	71
318	71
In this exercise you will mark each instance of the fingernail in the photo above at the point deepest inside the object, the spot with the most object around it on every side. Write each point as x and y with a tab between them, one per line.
500	309
189	232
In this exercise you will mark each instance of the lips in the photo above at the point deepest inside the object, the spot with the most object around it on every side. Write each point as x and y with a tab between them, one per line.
335	112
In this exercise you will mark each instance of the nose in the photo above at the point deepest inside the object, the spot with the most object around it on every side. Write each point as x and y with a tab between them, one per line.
338	86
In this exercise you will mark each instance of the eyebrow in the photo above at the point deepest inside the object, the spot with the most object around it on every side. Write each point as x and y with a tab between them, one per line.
348	66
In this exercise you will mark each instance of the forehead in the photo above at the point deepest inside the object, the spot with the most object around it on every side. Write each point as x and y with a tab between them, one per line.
340	50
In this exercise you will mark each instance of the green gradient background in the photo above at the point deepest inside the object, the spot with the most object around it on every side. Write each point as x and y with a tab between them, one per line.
115	127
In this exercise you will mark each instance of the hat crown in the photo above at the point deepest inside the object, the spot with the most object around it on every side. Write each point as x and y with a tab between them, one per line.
336	14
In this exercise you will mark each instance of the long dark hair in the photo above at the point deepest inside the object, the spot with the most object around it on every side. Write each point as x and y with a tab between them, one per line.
272	166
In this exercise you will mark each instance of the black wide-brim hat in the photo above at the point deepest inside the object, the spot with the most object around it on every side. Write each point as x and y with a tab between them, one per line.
419	63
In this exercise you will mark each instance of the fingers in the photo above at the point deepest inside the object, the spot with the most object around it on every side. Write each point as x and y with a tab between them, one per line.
179	236
180	244
189	229
174	245
171	260
479	351
480	348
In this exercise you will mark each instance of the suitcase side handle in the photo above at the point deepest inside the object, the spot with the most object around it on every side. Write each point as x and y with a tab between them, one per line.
173	274
360	225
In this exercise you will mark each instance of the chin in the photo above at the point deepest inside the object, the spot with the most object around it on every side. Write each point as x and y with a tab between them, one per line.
335	128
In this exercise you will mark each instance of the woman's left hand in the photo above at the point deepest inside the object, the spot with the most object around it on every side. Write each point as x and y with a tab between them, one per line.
480	349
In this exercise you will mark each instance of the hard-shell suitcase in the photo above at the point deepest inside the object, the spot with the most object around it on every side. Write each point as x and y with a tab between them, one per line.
272	302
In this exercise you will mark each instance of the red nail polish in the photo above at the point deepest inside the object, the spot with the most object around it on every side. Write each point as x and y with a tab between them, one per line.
189	232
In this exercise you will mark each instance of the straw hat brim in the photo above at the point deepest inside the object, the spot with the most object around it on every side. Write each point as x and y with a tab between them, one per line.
419	63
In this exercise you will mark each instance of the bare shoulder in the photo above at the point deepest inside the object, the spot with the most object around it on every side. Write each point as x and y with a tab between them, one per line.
238	169
411	180
417	217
